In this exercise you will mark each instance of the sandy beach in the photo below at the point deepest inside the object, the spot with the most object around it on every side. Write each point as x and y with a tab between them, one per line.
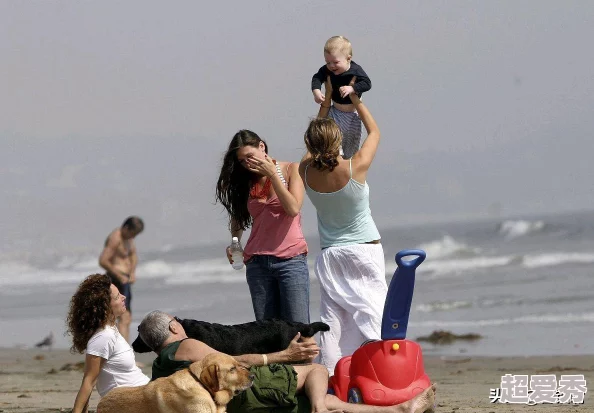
35	381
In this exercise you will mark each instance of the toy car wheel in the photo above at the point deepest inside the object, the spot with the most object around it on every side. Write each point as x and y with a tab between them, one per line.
355	396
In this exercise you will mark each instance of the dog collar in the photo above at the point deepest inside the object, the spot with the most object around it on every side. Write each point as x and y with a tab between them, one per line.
203	385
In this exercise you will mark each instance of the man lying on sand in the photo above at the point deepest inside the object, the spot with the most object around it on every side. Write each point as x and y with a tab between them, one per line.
175	351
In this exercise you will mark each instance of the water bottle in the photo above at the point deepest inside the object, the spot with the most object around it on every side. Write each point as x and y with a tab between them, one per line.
236	254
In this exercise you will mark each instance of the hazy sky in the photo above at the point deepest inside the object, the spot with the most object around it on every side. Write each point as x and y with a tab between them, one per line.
115	108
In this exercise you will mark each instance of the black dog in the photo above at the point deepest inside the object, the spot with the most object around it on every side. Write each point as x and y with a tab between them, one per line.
257	337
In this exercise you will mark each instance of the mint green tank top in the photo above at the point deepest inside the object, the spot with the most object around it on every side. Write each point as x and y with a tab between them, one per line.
344	216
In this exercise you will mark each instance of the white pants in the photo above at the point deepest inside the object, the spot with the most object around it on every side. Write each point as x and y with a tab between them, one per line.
353	289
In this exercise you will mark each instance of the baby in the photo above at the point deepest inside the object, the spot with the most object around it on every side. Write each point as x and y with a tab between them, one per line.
340	67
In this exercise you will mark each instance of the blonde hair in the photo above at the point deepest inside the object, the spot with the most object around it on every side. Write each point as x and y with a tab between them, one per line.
323	140
340	44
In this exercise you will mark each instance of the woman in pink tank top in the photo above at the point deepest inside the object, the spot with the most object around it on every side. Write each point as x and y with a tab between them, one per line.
266	195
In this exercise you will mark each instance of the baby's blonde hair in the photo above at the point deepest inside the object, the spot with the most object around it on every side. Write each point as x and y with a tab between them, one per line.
338	44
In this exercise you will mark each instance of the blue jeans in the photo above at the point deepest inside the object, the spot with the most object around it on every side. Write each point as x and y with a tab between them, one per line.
279	287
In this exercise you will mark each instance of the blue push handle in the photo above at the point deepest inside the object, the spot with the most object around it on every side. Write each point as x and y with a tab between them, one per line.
410	263
400	294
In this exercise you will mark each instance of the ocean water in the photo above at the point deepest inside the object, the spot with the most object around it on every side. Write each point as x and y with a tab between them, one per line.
525	284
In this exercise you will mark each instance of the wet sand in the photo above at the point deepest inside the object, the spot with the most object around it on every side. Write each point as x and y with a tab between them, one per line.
43	381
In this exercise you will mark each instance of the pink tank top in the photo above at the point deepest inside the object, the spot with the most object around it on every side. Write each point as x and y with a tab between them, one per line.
273	231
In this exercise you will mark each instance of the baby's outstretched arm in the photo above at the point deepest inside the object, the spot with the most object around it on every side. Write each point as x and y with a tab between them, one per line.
363	83
325	106
318	96
316	85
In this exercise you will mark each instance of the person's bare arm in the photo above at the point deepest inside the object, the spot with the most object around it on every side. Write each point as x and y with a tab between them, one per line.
93	366
291	196
296	351
109	251
235	230
133	262
295	185
193	350
363	158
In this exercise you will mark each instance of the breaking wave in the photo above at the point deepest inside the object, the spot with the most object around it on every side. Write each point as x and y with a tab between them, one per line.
447	247
519	228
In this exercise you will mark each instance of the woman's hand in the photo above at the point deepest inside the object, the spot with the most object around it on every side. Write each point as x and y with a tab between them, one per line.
264	166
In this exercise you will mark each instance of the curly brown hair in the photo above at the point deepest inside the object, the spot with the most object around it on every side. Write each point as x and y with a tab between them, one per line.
323	140
90	310
234	183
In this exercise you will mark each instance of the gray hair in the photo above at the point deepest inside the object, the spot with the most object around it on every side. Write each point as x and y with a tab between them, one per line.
154	329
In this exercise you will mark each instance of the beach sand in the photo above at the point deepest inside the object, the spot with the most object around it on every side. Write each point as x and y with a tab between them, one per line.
40	380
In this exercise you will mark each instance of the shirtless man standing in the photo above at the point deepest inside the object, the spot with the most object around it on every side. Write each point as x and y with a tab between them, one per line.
119	261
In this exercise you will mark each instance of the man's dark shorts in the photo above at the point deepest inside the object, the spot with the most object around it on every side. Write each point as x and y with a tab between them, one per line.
274	390
124	289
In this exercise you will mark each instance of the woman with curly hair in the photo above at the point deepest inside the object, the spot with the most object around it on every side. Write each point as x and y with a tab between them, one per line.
351	266
109	360
267	195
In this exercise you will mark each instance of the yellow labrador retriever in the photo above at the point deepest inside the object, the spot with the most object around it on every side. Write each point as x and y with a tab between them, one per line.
205	387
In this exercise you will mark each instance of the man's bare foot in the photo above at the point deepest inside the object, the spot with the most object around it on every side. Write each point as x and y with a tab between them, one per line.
425	402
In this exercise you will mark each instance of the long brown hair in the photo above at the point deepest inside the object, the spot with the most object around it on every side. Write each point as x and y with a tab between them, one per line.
234	183
323	140
90	310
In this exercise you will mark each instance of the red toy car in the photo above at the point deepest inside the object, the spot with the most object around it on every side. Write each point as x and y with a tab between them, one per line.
389	371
